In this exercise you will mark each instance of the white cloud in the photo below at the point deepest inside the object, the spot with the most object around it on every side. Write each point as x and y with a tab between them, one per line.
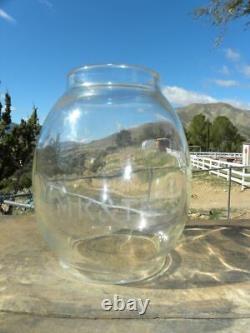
246	70
232	54
5	16
46	3
237	104
224	70
226	83
181	97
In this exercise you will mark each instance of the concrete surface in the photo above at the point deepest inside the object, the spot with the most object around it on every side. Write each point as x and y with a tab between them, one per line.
206	288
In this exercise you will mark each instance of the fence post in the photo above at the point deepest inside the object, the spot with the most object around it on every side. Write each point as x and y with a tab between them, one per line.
218	166
229	194
243	179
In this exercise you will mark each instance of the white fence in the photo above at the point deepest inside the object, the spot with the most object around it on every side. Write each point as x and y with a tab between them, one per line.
239	173
217	154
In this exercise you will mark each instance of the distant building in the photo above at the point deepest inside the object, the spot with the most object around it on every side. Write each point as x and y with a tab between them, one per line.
163	143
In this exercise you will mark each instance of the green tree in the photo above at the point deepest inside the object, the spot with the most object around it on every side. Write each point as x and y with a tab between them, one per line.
6	115
152	131
33	122
123	138
99	162
225	136
17	144
6	161
1	106
26	134
21	143
222	12
198	132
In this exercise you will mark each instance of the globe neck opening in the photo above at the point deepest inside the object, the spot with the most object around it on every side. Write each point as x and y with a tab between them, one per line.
111	75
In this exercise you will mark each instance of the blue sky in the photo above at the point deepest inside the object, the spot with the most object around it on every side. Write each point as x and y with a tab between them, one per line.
41	40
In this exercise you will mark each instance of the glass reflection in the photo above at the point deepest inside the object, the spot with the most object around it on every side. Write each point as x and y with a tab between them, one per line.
127	171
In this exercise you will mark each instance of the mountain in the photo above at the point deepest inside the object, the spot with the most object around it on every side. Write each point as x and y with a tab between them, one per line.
240	118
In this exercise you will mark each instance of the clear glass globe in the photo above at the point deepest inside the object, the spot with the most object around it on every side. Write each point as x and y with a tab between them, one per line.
111	175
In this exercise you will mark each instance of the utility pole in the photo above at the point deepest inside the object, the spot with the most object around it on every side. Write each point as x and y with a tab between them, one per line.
208	135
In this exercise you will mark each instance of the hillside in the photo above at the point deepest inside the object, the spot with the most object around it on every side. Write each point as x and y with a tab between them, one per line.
240	118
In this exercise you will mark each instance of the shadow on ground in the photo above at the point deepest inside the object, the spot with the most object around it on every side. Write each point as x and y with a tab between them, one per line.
206	257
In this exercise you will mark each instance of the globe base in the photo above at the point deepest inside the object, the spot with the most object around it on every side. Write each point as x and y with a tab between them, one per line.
159	267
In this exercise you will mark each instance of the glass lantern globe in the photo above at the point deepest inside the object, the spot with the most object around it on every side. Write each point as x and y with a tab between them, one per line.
111	175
